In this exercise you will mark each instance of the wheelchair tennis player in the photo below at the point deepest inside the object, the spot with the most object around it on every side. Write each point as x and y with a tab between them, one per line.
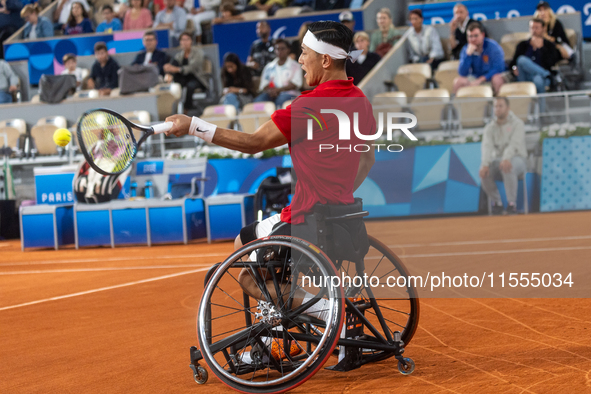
322	177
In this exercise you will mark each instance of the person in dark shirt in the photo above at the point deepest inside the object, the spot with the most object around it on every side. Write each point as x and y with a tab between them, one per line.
103	75
554	31
365	62
534	58
10	20
237	81
151	54
262	50
457	27
78	22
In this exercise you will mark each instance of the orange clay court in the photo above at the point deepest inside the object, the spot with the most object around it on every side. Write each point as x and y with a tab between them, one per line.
122	320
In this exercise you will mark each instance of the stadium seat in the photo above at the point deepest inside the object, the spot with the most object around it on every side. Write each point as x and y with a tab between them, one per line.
86	94
115	92
571	34
521	98
446	47
42	134
509	43
13	128
288	11
254	15
430	106
388	102
35	99
139	117
446	73
411	78
249	121
220	115
169	95
286	104
473	105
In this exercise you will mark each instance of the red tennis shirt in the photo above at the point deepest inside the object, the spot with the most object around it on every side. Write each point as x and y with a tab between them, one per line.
325	175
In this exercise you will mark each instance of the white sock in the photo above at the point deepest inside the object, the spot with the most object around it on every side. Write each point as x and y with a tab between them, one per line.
320	309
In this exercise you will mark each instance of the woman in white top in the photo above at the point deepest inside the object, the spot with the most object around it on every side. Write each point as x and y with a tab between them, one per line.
423	43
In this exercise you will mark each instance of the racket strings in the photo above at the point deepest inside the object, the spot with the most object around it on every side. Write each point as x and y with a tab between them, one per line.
108	141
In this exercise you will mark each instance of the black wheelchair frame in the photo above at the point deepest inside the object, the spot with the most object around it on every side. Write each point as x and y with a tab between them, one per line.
367	337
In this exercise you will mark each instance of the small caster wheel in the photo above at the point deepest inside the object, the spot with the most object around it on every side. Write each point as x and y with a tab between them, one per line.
408	368
201	375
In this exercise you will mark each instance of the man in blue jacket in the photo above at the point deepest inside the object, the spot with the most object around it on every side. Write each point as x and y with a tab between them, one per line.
481	61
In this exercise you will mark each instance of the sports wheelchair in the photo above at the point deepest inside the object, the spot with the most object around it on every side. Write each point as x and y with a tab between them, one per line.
274	343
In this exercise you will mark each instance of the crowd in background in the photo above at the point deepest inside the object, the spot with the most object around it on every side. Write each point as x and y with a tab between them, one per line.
271	71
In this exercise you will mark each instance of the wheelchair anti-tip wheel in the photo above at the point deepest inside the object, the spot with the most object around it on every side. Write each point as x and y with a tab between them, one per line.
270	345
408	368
201	375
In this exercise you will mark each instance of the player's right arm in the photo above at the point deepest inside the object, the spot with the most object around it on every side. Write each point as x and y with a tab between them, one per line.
267	136
366	161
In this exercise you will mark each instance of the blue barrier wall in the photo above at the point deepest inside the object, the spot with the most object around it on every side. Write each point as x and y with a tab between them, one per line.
423	180
566	174
486	9
238	36
45	56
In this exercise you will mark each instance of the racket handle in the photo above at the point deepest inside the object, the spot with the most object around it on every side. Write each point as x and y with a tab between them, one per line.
162	127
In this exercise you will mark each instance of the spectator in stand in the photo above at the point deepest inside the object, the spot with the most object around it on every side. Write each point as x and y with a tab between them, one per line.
423	43
157	5
71	68
10	19
205	13
172	17
228	13
237	81
137	17
503	155
269	6
64	9
151	54
78	23
534	58
296	45
346	18
186	68
383	39
481	61
36	26
110	23
281	79
458	32
261	50
103	75
554	30
365	62
8	82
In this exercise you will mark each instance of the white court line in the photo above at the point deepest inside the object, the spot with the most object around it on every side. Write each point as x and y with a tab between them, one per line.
492	252
3	245
103	269
492	241
127	258
103	289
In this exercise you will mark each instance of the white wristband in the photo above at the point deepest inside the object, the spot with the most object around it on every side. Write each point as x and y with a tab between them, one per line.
202	129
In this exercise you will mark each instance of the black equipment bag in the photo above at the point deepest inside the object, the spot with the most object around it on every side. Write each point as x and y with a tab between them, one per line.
55	88
137	78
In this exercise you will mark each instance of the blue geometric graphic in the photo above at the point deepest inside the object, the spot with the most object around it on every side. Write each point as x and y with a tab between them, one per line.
437	174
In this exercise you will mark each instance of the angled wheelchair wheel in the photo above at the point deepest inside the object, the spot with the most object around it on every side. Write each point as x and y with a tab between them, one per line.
389	309
270	345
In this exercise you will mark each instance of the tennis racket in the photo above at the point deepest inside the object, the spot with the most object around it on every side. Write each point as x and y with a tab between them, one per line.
107	142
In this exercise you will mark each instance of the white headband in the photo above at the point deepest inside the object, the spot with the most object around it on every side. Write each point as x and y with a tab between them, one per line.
325	48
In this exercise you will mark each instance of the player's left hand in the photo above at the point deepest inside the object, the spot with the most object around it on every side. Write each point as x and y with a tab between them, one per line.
181	124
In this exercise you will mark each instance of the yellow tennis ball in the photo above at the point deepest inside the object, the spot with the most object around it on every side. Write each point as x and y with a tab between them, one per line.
62	137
